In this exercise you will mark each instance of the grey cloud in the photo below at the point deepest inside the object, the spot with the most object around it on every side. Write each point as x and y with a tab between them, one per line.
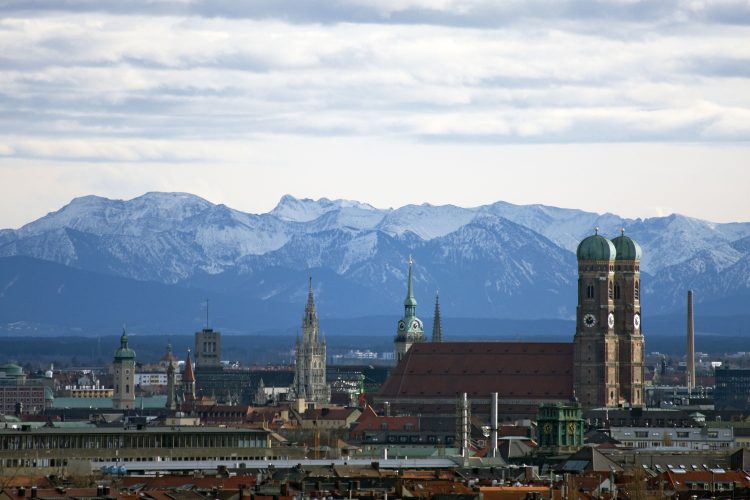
480	14
718	66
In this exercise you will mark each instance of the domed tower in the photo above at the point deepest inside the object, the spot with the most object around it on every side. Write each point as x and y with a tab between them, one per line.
123	367
410	329
596	350
627	296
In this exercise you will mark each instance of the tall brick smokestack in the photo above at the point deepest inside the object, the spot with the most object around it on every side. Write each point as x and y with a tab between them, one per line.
690	360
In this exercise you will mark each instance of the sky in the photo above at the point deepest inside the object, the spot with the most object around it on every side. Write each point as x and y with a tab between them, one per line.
639	108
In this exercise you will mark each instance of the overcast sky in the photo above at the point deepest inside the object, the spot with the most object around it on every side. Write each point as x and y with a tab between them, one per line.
637	108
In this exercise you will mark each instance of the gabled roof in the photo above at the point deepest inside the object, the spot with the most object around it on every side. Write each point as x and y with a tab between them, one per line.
588	459
328	413
522	370
369	420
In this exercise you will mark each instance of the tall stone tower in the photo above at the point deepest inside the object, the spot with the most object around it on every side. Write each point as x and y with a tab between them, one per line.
596	348
410	329
123	366
627	296
310	356
207	348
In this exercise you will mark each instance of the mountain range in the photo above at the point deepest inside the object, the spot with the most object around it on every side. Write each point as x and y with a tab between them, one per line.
153	260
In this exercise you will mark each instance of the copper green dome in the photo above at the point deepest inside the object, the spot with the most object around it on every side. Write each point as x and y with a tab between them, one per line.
596	247
11	370
124	352
627	249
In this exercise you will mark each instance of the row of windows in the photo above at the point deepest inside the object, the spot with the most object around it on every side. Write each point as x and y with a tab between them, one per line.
614	293
111	441
611	268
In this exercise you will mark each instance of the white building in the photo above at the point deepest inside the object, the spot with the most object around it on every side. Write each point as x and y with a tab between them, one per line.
674	438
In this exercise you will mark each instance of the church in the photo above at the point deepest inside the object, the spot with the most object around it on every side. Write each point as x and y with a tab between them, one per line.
310	359
602	367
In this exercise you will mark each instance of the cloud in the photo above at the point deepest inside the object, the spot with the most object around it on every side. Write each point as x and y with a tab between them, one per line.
111	81
467	13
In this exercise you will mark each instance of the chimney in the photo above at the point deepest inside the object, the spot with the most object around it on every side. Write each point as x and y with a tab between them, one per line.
493	423
463	406
690	360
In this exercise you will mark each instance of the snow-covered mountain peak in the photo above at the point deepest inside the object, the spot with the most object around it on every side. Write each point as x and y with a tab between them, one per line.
306	209
98	215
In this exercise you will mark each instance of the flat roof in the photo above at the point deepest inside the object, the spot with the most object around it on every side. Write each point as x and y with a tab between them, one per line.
135	430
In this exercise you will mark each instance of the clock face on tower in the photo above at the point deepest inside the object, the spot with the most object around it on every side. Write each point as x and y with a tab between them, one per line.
637	321
547	428
415	325
401	326
611	320
589	320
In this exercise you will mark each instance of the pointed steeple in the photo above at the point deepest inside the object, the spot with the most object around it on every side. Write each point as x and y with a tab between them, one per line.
310	320
410	303
310	299
188	379
437	327
188	375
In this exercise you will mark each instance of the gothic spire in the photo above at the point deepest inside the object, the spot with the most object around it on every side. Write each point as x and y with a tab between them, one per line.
310	299
310	320
437	327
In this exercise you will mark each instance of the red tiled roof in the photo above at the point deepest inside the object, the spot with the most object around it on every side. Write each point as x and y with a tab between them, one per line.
369	420
678	481
328	413
520	370
175	481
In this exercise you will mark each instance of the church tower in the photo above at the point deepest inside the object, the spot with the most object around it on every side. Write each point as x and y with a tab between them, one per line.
310	357
596	349
437	326
123	366
627	298
188	380
410	329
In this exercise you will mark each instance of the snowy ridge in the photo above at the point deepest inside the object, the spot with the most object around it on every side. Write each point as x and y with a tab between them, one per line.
499	259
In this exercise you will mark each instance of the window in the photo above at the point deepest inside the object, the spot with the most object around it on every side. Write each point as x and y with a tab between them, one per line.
590	291
617	290
641	434
683	434
637	291
610	290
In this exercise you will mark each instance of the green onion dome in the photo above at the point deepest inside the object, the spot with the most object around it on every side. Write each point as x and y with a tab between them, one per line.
596	247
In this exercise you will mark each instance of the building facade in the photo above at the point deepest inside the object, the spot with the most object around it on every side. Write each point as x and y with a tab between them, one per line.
609	345
19	395
207	349
560	428
410	329
675	438
52	447
123	370
732	389
310	358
